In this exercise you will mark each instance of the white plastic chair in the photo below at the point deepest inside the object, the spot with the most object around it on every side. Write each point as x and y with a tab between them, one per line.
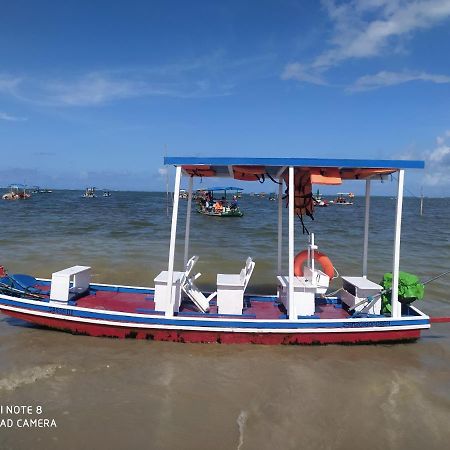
191	290
231	288
247	271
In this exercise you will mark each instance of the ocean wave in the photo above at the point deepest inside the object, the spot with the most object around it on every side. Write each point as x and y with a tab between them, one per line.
27	376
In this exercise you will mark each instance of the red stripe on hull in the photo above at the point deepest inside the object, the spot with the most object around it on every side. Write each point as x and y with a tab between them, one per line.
101	330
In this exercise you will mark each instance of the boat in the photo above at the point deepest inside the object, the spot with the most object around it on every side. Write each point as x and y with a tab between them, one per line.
17	192
175	309
106	193
89	193
272	196
183	194
38	190
343	199
210	205
319	200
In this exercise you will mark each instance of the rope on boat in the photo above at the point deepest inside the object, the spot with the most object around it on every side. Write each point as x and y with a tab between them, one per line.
440	319
11	290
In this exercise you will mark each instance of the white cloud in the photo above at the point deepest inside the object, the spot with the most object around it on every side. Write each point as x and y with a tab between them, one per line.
384	78
10	118
300	72
368	28
209	76
8	83
92	89
437	162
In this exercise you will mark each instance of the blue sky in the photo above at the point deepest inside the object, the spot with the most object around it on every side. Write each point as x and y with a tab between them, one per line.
92	92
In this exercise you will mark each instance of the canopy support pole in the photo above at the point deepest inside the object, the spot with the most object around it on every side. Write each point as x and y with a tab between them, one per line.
173	237
366	229
395	304
188	222
291	312
280	224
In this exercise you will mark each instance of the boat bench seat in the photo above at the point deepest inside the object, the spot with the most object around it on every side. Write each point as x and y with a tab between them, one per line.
62	289
231	288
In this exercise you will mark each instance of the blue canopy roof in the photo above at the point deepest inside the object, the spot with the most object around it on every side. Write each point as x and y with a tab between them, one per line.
229	188
297	162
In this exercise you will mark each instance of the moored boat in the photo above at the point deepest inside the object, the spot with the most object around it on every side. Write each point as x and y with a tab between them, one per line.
89	193
319	200
174	309
344	199
17	192
209	204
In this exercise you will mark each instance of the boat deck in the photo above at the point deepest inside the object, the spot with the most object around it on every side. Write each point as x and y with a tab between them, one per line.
256	307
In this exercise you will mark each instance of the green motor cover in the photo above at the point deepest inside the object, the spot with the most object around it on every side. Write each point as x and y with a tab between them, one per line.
409	290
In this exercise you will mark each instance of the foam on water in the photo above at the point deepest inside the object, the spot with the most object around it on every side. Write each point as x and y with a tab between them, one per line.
27	376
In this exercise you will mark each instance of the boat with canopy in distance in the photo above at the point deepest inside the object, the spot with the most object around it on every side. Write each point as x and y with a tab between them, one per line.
301	311
209	205
344	199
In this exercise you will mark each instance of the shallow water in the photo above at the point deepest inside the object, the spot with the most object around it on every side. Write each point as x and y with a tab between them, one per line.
115	394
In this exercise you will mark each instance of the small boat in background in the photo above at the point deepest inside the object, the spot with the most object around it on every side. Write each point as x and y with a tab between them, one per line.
17	192
183	194
38	190
208	205
89	193
272	196
106	193
319	200
343	198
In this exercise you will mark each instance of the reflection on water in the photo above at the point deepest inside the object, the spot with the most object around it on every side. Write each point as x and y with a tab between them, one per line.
116	394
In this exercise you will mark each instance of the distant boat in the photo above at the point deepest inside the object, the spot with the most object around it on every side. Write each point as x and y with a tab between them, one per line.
106	193
183	194
272	196
208	205
89	193
17	192
319	200
38	190
343	198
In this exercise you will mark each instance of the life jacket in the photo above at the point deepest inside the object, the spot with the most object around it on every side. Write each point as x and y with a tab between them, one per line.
303	198
252	173
249	173
199	171
360	174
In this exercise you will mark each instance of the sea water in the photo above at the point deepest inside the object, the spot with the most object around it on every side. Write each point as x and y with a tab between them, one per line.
114	394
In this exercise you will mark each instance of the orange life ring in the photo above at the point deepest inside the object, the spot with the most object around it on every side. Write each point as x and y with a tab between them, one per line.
199	171
321	258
